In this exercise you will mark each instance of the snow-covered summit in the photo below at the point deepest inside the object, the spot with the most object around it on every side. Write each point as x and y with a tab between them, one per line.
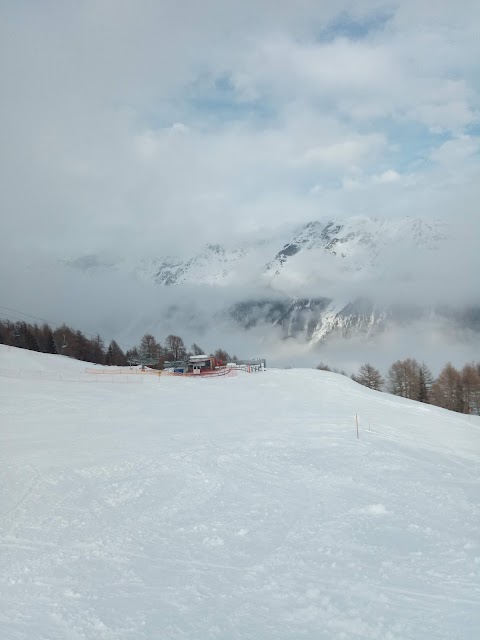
357	243
360	241
342	277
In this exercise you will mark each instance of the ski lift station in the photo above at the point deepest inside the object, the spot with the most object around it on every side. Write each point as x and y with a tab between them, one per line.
256	364
204	365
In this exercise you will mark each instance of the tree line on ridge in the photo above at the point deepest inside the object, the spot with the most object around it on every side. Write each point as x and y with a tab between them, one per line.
454	389
73	343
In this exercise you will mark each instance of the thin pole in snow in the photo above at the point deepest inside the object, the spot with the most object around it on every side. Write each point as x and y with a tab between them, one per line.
356	420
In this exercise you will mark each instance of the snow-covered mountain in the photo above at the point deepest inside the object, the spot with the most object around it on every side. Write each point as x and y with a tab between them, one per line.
327	277
312	277
356	243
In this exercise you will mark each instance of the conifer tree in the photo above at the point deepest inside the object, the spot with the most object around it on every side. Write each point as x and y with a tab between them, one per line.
49	341
131	355
81	346
98	350
422	387
65	342
29	340
115	355
196	350
425	381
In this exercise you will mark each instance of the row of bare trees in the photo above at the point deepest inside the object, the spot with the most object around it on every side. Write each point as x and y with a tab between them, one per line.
172	350
73	343
454	389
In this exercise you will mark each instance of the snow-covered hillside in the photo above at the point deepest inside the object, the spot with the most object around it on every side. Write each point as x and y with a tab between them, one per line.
239	507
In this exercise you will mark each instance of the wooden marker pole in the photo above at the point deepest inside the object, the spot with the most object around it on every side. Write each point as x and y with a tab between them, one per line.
356	420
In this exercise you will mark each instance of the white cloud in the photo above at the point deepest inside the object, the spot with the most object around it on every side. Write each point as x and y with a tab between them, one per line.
344	154
386	177
150	127
456	150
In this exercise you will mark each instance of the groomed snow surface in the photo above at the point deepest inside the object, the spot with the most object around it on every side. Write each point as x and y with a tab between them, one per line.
235	507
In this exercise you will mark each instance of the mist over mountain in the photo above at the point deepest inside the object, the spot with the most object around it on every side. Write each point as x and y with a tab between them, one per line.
293	180
343	277
368	285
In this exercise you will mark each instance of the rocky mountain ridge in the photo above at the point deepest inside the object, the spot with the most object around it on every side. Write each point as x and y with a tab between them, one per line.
356	243
309	282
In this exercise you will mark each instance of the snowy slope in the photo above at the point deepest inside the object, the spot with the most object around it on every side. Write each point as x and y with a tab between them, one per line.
239	507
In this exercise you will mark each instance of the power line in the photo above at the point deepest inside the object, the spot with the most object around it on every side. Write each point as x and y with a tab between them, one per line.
54	324
22	313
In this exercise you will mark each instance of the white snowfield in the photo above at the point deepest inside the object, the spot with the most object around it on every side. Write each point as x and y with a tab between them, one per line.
235	507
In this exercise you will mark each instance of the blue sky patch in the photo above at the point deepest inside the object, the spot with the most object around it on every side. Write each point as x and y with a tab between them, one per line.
219	101
345	26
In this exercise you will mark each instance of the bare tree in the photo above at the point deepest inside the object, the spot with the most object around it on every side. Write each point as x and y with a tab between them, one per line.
403	378
321	366
149	347
370	377
175	348
222	356
471	388
447	390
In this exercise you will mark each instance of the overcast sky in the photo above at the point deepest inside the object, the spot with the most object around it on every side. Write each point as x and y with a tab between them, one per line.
148	127
143	126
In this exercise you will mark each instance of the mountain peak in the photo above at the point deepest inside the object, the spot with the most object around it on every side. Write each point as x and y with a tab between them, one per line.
357	241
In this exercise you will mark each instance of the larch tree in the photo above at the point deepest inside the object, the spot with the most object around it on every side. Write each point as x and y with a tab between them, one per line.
221	356
149	347
175	348
447	389
321	366
471	388
370	377
403	378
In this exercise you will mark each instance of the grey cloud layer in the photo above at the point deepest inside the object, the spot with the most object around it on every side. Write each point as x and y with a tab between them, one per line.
151	127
